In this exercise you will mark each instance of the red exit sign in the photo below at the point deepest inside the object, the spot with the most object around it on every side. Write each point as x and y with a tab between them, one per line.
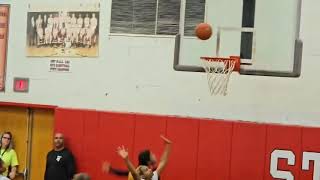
21	84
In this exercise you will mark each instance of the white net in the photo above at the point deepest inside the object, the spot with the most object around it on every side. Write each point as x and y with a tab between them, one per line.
218	73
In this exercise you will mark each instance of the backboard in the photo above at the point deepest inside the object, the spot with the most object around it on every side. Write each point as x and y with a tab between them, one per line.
264	33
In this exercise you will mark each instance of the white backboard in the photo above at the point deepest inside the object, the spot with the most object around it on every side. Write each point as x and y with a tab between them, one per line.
272	48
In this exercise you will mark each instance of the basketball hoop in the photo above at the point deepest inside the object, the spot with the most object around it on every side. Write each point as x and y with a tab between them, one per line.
218	72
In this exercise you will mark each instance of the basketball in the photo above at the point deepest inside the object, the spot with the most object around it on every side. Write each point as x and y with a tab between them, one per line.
203	31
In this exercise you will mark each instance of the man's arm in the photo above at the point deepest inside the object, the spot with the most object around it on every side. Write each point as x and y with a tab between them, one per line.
165	155
124	155
70	165
45	172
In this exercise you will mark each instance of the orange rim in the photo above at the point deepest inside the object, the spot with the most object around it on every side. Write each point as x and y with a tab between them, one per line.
236	59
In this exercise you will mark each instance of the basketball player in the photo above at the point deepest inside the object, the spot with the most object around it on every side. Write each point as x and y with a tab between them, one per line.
93	21
82	35
62	34
40	33
87	21
56	20
93	28
88	37
55	33
145	158
73	21
44	22
146	171
73	25
67	21
50	21
48	35
80	21
67	42
61	20
39	22
79	27
33	32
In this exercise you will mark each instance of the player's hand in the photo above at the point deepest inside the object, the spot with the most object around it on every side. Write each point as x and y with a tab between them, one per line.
122	152
166	140
106	167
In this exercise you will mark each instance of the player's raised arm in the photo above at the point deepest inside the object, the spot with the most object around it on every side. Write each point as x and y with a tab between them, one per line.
165	155
107	168
123	153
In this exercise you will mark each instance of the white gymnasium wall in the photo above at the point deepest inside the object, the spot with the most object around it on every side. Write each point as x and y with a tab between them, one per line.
137	74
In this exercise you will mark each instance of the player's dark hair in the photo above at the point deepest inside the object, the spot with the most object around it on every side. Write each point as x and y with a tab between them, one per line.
144	157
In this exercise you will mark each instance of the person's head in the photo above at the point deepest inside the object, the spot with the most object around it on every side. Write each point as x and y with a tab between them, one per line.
147	158
145	172
6	140
81	176
58	141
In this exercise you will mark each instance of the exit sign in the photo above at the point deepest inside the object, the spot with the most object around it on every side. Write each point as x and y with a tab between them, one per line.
21	84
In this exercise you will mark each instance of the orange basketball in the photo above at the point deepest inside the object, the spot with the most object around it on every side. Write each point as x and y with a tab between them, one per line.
203	31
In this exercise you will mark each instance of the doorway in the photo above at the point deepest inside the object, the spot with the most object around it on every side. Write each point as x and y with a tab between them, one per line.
32	130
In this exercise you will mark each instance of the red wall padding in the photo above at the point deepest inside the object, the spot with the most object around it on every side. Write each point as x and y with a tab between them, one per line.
115	130
183	160
202	149
71	124
247	152
89	157
214	150
284	138
146	135
310	143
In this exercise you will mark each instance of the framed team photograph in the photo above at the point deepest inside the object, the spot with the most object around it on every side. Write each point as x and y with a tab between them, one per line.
68	30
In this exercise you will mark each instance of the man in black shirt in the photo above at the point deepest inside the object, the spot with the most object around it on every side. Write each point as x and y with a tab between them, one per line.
60	162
